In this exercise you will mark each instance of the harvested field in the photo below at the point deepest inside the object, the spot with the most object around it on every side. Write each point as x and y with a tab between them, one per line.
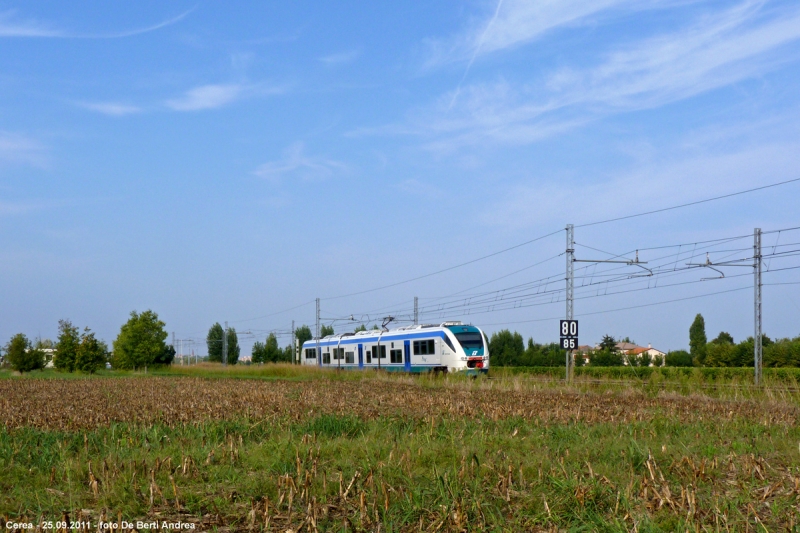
78	404
393	454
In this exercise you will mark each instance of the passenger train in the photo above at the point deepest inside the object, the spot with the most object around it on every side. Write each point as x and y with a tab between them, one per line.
446	347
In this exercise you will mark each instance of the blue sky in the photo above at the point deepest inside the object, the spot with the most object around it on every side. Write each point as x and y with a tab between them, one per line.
215	161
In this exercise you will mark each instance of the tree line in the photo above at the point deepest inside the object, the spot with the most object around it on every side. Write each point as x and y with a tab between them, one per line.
507	348
139	345
723	351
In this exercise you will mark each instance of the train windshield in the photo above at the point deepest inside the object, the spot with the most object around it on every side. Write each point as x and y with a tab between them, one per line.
471	340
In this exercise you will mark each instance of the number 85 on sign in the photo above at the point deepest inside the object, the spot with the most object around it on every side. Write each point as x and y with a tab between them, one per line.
569	343
569	328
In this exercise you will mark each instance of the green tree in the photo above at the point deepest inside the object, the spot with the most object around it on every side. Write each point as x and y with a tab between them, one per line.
66	346
167	356
257	353
782	353
608	343
22	356
140	342
723	338
326	330
233	347
506	348
362	327
678	358
303	334
544	355
698	340
214	342
91	354
288	352
646	359
272	353
605	358
720	354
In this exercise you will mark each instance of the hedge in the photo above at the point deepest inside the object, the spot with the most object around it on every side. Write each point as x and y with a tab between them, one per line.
646	373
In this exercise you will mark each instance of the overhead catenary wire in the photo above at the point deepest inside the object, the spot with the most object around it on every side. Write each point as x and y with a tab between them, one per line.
587	224
471	307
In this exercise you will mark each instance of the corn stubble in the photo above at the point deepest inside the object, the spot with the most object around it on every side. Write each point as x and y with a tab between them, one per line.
392	455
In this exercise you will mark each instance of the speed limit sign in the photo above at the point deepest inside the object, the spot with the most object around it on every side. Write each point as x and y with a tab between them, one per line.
569	343
569	328
569	334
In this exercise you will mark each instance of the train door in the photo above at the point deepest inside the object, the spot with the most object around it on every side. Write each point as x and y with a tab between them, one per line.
360	356
407	353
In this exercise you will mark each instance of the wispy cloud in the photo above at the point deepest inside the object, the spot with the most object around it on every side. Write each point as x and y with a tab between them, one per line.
20	149
707	53
12	26
114	109
296	163
213	96
511	23
206	97
340	58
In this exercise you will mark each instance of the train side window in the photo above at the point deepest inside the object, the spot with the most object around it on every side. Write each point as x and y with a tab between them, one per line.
396	356
311	353
326	357
424	347
449	344
349	357
379	351
338	353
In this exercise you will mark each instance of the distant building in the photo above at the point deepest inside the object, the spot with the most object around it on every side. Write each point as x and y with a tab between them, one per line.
627	349
48	356
633	351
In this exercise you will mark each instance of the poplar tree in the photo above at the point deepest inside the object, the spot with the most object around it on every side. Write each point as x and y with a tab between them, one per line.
698	340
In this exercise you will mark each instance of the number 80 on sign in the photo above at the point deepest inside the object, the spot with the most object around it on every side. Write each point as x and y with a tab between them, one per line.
569	328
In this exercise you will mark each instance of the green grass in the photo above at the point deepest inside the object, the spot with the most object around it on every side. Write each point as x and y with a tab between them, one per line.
452	473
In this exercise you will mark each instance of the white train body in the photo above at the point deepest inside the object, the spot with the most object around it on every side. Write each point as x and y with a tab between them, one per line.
448	347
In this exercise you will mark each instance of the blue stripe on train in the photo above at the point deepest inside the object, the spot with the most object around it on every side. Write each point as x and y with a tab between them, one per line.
364	340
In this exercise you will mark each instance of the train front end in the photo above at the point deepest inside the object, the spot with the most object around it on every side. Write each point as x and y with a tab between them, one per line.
475	355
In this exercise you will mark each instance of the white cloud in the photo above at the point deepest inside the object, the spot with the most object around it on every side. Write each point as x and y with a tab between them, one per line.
206	97
27	28
340	58
511	23
213	96
114	109
296	163
733	46
707	53
10	26
19	149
